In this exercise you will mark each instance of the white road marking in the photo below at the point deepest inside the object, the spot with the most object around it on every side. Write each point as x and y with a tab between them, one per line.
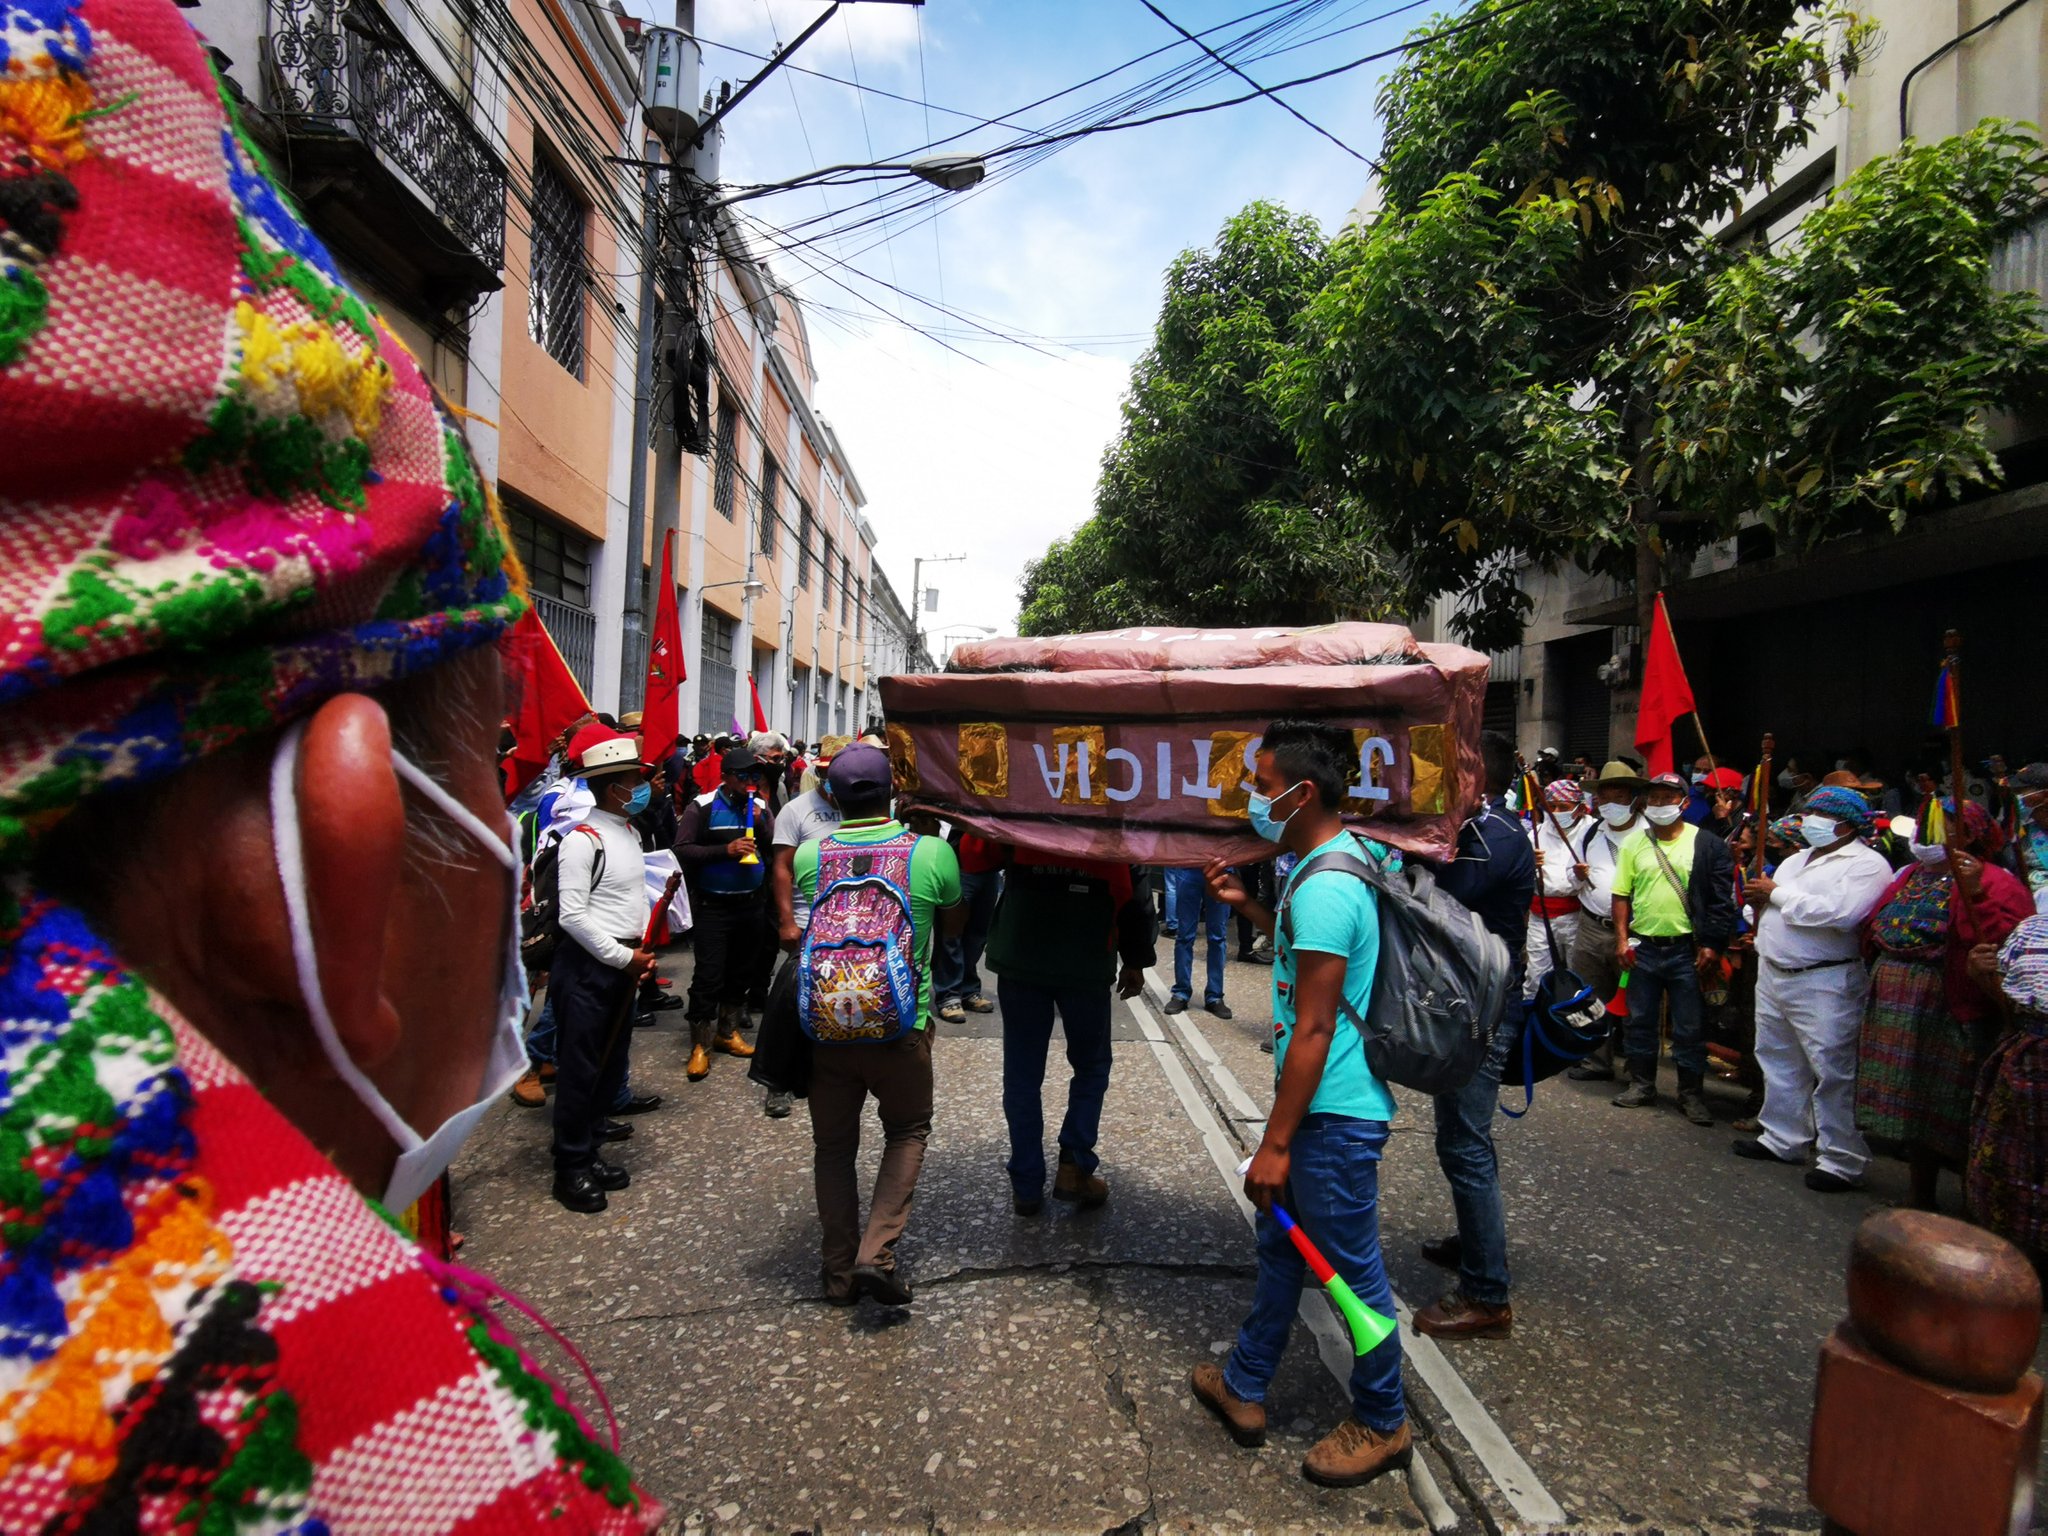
1514	1477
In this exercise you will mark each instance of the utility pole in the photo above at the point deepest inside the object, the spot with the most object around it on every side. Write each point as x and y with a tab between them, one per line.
633	624
917	593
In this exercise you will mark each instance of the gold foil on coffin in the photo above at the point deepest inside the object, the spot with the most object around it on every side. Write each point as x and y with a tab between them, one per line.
1228	773
985	760
1432	755
903	760
1074	738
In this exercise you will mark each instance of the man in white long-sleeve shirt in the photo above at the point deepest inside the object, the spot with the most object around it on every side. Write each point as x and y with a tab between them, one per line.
602	902
1554	912
1810	989
1618	803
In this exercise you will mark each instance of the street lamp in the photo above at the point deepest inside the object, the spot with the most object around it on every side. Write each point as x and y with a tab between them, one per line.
749	586
949	173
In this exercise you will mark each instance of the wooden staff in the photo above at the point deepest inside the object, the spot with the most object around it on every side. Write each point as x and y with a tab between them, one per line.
1952	703
1760	791
1529	780
1706	751
657	925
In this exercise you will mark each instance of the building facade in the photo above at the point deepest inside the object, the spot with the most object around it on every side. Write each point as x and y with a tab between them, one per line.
1834	651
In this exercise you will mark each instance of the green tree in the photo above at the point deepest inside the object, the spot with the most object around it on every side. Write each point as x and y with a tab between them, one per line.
1203	512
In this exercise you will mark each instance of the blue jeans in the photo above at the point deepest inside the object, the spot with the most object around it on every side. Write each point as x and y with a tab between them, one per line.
953	967
1189	901
1666	971
1464	1150
1027	1035
540	1047
1333	1192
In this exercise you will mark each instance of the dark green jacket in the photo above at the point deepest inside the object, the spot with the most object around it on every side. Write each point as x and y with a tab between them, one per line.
1070	925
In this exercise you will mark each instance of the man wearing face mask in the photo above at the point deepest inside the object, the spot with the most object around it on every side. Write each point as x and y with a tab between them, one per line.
1674	912
1810	992
260	951
597	965
719	837
1618	804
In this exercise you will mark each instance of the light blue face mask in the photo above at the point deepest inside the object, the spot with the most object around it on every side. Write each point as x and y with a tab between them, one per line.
1260	809
640	799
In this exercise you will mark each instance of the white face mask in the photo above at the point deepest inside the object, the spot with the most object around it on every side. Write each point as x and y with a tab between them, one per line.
1617	815
1819	831
1663	815
1929	853
421	1159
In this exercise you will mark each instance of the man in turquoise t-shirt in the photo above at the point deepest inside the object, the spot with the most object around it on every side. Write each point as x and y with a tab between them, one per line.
898	1073
1321	1149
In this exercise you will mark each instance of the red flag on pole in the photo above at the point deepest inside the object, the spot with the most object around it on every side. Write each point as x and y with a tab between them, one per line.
1666	693
542	697
661	719
760	715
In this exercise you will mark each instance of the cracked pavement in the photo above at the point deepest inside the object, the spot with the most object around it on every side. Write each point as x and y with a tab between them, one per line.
1670	1300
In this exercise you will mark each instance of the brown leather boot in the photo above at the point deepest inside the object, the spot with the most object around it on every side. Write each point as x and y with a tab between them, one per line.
529	1092
1087	1190
1457	1316
1354	1453
1245	1421
732	1045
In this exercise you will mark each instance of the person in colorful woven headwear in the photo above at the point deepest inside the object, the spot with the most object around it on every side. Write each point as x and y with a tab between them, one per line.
1927	1026
1810	989
1554	912
258	952
2005	1185
2030	795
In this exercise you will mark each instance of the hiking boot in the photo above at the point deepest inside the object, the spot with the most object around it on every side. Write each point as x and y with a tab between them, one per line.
1245	1421
778	1104
700	1064
1458	1316
1087	1190
529	1092
978	1004
1637	1095
951	1011
732	1045
1354	1453
1692	1099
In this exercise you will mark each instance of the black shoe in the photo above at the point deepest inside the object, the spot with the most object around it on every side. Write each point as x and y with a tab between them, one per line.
1757	1152
1589	1071
1445	1252
1635	1096
579	1192
1820	1181
1027	1205
608	1175
881	1284
639	1104
664	1003
1266	1046
1221	1009
613	1130
644	1020
1176	1005
1693	1105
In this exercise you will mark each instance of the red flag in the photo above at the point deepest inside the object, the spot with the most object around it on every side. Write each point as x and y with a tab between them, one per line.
661	719
542	696
760	717
1666	694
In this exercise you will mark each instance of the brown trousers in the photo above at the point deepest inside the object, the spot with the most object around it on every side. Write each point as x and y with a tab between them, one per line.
899	1075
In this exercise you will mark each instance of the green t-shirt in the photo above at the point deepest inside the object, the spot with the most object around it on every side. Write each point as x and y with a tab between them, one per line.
1656	911
934	883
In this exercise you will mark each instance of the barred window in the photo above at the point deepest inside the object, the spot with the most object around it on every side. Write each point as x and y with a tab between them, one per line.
557	277
726	471
804	530
771	502
825	569
557	562
845	590
860	613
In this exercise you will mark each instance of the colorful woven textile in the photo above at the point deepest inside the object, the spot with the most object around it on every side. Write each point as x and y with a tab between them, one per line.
1915	920
1918	1064
226	494
2005	1183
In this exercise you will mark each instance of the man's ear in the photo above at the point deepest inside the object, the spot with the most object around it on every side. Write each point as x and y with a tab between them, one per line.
352	831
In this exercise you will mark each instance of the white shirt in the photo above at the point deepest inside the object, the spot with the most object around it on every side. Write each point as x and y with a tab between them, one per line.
1560	854
1602	847
599	919
1820	900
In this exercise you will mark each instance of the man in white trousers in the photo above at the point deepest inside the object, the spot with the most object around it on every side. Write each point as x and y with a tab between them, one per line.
1810	990
1554	913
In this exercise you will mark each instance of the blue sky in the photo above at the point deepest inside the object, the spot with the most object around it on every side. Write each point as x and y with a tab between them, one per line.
993	453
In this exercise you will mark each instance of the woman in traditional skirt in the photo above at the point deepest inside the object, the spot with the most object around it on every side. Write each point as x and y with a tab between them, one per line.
2006	1183
1928	1026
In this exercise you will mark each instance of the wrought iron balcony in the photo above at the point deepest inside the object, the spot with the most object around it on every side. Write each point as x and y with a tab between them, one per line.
343	80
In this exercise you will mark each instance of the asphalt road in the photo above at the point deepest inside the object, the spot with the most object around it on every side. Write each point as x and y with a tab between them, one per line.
1669	1297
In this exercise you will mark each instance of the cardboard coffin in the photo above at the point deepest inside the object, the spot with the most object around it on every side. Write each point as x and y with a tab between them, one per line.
1137	744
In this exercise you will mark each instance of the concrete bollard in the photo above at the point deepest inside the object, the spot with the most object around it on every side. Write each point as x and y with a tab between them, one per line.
1925	1416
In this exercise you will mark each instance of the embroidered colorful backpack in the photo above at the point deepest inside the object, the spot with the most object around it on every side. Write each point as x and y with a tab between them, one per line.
858	975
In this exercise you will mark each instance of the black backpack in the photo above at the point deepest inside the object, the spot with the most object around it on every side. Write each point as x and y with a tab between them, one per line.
1442	980
540	925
